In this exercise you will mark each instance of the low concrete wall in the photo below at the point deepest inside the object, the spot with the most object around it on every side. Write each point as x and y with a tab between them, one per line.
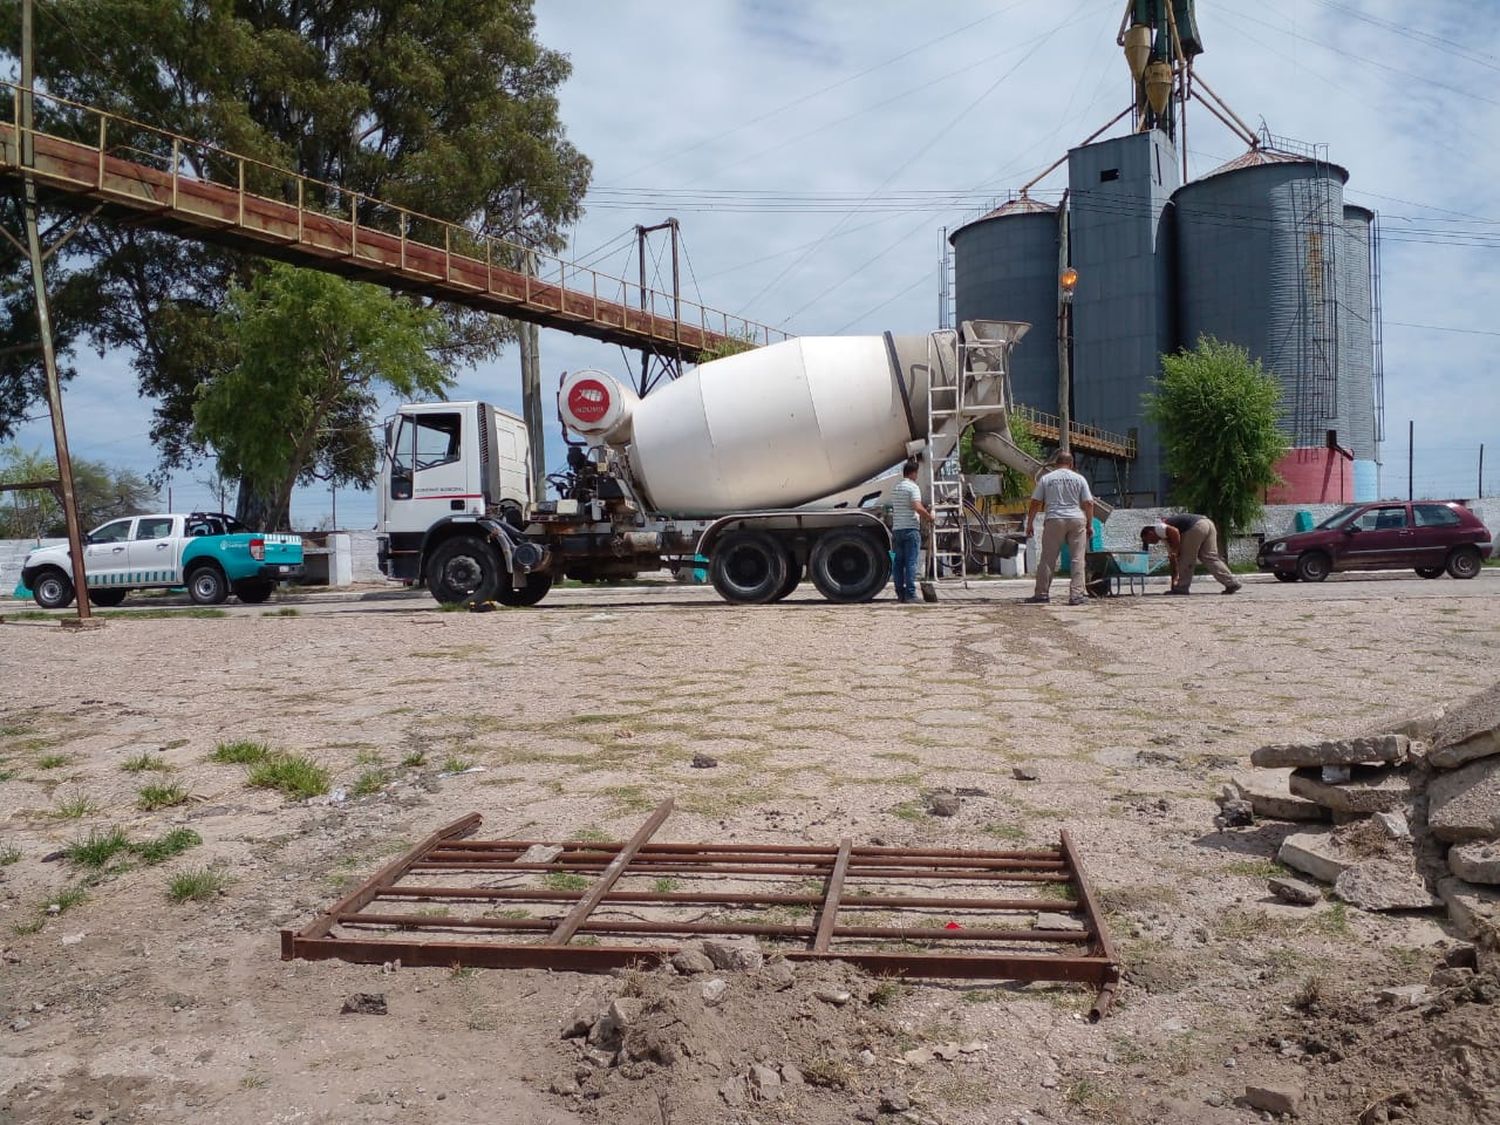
12	554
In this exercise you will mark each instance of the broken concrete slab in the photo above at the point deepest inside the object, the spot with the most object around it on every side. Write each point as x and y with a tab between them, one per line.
1294	891
1405	995
1271	798
1314	853
741	955
1380	884
1476	863
1468	730
1393	824
1338	752
1370	789
1473	910
1049	920
1283	1101
1464	804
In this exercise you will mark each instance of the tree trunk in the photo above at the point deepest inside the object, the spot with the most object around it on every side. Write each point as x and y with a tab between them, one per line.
252	509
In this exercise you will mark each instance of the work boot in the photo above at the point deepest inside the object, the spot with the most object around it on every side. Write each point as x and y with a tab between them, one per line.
1036	599
1235	589
1175	590
1078	599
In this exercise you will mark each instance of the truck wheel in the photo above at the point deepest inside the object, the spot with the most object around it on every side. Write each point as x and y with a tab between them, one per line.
253	591
794	572
849	566
53	590
1313	566
107	599
1465	562
463	569
534	591
748	567
207	585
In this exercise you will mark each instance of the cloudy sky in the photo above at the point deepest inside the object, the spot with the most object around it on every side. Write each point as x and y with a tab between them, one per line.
813	152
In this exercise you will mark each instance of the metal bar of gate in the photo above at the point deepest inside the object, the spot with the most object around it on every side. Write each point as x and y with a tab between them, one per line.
575	917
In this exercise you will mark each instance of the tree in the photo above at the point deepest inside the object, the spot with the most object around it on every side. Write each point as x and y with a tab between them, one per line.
102	493
1014	484
310	352
1219	418
449	108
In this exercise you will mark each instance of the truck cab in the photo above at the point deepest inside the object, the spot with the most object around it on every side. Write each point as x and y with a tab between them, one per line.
448	466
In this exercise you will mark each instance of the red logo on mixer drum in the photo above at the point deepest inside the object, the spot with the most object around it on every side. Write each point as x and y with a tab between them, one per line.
588	400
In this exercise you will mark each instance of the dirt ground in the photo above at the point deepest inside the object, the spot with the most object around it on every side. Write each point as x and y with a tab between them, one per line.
122	1006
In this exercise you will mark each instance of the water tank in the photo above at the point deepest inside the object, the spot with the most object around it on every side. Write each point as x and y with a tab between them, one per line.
1005	268
775	427
1259	243
1356	375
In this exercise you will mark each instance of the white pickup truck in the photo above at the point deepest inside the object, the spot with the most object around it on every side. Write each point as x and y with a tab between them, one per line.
208	552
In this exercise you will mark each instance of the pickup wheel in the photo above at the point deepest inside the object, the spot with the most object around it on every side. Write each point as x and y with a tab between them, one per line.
1465	562
748	567
534	591
207	585
53	590
1313	566
464	569
253	591
849	565
108	599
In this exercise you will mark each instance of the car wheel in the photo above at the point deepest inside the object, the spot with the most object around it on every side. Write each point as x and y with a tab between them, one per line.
1313	566
1285	575
53	590
1430	571
537	585
1465	562
463	569
207	586
254	591
747	567
849	565
107	599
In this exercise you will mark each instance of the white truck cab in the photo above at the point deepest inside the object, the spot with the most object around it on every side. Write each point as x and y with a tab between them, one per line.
448	462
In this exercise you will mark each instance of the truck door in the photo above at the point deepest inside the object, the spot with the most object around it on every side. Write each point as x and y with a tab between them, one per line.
106	555
153	551
428	470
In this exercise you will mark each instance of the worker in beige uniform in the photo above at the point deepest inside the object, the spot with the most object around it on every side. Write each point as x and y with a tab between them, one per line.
1069	506
1190	540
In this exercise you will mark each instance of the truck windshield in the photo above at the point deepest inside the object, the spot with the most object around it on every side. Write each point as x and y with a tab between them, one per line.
423	441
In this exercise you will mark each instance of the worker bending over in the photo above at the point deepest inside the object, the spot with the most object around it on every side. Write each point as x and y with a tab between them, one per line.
1190	540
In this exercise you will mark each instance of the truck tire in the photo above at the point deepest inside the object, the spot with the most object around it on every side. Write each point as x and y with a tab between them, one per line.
848	565
53	589
537	585
207	585
254	591
794	572
464	569
748	567
106	599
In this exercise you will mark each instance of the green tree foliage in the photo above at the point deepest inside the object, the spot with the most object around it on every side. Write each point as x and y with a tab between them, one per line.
1014	484
309	355
448	107
103	494
1219	417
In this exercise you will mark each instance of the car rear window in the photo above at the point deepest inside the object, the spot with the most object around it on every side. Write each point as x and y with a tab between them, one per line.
1435	515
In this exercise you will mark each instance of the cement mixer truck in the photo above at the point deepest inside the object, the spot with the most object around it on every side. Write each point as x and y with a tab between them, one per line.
766	464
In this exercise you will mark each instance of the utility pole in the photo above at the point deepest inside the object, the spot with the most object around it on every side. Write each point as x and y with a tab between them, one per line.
43	317
1411	437
1481	471
531	395
1067	281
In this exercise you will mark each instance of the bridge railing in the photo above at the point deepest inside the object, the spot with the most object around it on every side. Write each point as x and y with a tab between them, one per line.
1090	438
185	164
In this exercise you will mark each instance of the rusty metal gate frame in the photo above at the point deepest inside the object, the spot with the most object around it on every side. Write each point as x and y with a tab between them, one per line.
1090	957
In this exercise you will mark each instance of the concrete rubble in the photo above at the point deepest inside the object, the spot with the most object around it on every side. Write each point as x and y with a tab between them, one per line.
1416	818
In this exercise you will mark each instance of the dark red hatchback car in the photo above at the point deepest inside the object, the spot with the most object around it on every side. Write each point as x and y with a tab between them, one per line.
1428	536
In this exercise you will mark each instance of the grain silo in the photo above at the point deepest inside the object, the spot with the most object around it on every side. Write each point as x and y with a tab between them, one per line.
1005	268
1359	419
1259	248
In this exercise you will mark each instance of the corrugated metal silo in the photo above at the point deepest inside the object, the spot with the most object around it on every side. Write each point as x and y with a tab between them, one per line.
1005	268
1258	244
1356	368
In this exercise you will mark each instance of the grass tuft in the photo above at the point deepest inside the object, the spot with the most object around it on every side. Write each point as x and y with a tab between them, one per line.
9	854
414	759
52	761
202	884
97	848
284	611
74	808
565	881
456	763
368	783
240	753
296	776
153	797
143	762
163	848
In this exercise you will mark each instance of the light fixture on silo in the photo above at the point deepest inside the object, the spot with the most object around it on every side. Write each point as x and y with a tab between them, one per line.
1067	281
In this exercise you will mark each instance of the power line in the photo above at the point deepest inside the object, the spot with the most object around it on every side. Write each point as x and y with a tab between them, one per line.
1441	328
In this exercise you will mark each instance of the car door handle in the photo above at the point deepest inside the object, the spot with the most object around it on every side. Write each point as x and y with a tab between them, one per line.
117	550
